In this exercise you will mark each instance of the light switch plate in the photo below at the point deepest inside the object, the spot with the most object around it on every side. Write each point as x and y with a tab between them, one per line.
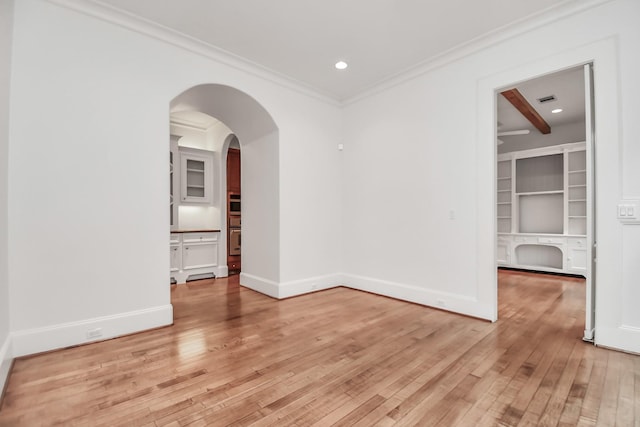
629	211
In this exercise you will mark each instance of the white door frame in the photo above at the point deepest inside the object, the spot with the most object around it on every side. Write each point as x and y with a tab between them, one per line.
603	55
590	165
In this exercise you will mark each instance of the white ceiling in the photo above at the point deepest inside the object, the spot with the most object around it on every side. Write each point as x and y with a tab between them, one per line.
303	39
568	87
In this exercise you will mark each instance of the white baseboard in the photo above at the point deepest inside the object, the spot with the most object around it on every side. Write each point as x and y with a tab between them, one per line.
63	335
292	288
259	284
588	335
304	286
222	271
6	357
624	338
441	300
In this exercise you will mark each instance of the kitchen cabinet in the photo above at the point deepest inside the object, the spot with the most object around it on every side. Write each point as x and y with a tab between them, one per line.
193	255
233	171
196	176
199	250
233	214
175	251
174	188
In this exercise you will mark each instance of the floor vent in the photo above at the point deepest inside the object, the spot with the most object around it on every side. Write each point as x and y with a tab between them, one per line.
201	276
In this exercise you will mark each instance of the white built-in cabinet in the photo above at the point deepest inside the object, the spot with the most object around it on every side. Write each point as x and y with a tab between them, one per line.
196	176
174	188
193	255
542	209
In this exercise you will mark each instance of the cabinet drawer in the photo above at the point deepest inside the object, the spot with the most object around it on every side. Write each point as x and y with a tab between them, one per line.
199	237
577	243
552	240
174	238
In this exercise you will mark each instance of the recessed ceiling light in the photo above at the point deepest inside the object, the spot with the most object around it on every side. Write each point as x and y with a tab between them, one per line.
557	110
341	65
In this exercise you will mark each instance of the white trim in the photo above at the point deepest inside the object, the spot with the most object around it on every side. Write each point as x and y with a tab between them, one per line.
485	41
130	21
603	54
588	335
160	32
6	357
404	292
259	284
63	335
312	284
222	271
543	151
441	300
624	338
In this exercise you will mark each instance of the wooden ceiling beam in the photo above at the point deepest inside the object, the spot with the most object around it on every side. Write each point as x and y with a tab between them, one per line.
517	100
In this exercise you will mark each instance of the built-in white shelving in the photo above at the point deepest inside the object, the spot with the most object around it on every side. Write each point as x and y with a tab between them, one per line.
541	209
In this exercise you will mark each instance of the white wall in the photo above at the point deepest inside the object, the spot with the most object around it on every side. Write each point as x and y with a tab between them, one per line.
6	37
87	207
407	209
419	200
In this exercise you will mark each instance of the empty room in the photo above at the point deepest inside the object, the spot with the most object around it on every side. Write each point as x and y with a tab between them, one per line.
200	223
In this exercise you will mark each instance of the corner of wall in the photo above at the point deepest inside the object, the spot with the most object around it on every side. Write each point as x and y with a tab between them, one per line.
6	359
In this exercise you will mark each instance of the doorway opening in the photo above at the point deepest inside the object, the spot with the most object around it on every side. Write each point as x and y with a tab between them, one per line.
196	221
219	116
544	179
234	205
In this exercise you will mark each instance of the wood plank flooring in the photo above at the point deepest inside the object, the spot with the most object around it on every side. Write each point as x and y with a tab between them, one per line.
338	357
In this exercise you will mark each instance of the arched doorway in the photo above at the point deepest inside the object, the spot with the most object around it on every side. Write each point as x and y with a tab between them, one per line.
258	136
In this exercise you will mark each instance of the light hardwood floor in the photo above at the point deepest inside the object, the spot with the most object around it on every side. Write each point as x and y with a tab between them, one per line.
338	357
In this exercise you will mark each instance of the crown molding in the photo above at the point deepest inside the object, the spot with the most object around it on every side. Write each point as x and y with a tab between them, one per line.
188	124
107	13
110	14
485	41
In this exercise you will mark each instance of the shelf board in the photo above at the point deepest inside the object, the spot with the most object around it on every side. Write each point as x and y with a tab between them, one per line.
504	217
577	185
503	178
534	193
504	203
504	191
195	170
577	200
195	186
577	216
577	171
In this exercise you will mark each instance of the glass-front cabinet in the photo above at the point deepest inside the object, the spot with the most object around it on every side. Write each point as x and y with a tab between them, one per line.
196	177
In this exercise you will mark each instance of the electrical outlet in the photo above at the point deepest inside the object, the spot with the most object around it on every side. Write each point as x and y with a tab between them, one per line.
94	333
